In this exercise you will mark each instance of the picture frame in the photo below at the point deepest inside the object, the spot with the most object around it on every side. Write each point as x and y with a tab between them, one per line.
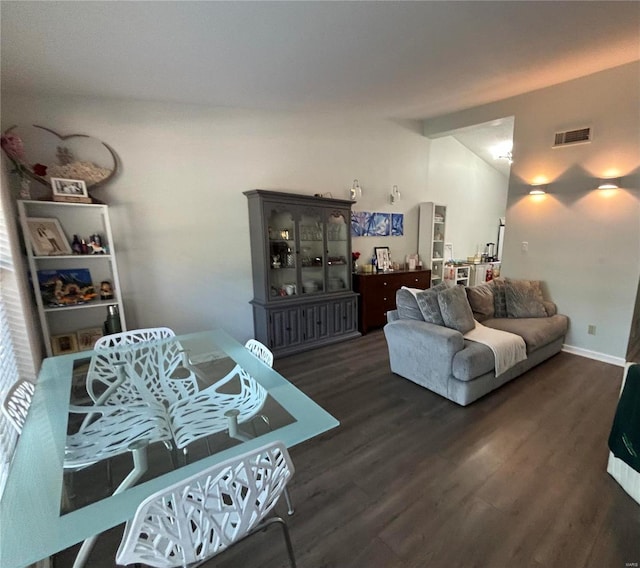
47	237
70	190
64	344
87	337
382	257
66	287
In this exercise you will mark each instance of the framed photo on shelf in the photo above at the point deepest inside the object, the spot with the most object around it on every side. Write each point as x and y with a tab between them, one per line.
382	257
70	190
47	237
87	337
64	344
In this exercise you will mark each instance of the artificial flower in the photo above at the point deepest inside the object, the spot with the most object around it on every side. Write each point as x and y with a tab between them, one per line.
355	255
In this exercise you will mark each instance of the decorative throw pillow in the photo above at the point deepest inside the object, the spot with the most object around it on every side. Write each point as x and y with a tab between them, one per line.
455	309
523	299
535	285
407	305
429	307
499	298
481	300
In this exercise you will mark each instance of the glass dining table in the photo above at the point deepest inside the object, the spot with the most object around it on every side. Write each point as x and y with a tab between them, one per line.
34	524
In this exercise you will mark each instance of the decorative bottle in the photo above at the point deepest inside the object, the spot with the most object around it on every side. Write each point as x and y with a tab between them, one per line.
112	323
75	245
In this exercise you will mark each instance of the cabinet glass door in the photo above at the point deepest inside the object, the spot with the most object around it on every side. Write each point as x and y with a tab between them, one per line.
312	252
338	263
282	257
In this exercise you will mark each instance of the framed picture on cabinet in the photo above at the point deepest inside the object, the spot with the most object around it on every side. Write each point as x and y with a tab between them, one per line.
382	257
70	190
47	237
64	344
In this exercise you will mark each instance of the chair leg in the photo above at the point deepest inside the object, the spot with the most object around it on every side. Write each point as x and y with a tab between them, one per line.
140	466
287	498
285	532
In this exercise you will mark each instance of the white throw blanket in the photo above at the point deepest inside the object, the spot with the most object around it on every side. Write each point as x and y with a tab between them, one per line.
508	348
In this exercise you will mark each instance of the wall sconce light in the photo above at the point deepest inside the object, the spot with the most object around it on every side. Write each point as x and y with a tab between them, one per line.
538	189
611	183
395	194
355	192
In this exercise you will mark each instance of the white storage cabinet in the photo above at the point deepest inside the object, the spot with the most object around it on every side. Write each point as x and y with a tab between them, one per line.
431	237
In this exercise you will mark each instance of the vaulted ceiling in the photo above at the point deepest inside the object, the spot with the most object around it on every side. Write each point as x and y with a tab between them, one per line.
392	59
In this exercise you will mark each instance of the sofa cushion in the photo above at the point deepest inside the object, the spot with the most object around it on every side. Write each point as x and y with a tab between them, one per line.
407	305
455	309
481	300
524	299
474	360
536	332
429	306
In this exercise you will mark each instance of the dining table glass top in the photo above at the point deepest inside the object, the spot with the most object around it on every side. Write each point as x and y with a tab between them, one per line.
35	521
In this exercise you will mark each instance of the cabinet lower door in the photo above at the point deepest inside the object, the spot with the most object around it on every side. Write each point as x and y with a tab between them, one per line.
285	328
344	318
316	322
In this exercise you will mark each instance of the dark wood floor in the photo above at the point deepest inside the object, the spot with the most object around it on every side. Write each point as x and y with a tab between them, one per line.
411	480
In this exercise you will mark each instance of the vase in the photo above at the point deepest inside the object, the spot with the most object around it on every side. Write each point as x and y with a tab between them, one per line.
355	267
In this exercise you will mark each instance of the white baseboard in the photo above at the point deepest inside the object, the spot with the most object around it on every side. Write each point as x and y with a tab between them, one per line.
619	361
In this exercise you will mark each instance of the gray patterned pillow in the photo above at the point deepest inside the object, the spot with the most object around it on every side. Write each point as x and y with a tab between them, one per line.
428	304
481	300
407	305
455	309
524	299
499	298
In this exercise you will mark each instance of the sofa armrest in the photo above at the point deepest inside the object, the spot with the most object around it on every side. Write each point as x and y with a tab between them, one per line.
422	352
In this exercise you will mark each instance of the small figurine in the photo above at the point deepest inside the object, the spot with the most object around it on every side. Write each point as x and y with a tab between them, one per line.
106	290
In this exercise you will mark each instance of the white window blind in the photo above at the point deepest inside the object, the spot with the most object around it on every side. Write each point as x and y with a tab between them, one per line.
16	358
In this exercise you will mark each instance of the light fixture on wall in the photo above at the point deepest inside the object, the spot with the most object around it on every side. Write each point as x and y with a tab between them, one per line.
394	197
538	189
611	183
355	192
503	151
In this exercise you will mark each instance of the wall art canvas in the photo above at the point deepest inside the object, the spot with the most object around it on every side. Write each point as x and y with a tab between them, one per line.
359	223
366	224
397	224
65	287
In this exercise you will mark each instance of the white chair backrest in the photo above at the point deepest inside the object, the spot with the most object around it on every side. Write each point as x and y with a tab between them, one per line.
147	358
260	350
17	402
201	516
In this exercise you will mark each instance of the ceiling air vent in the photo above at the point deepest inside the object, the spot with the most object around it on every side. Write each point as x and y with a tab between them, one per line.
580	136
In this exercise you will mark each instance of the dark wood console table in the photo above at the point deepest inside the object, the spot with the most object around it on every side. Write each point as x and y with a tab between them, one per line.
378	293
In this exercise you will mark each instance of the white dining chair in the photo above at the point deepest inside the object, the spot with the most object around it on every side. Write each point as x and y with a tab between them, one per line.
16	404
260	350
201	516
109	431
212	410
142	364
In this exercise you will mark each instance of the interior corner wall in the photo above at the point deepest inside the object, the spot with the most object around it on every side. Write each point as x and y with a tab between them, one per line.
475	195
584	244
179	217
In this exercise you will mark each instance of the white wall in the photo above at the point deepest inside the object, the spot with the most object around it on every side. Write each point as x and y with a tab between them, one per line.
475	195
584	245
179	216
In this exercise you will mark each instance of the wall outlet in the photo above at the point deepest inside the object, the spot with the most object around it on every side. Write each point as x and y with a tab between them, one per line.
591	329
524	247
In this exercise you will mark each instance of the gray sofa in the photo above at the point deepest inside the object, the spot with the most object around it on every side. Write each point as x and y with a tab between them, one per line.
441	359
